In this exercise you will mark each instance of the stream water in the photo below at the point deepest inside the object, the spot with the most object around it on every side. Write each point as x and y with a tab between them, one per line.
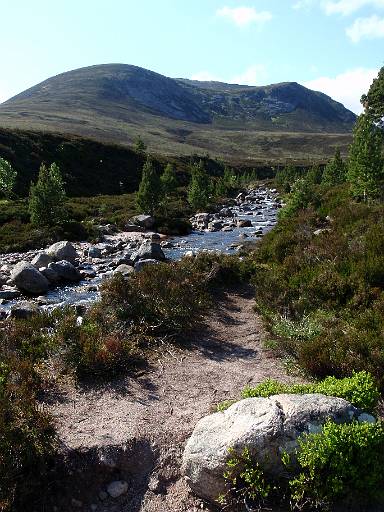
257	208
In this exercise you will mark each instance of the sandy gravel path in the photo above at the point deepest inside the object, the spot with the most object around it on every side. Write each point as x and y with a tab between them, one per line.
138	425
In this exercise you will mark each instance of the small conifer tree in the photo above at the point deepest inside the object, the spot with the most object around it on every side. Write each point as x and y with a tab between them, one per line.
47	197
365	166
335	170
7	178
149	193
199	187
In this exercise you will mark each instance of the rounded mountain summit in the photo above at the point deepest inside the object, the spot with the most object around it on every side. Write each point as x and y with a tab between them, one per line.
118	102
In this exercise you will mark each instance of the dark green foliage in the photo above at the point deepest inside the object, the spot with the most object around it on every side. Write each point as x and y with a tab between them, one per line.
27	437
199	187
139	146
303	193
7	178
246	481
344	463
373	102
360	389
47	197
149	193
169	185
90	167
323	293
286	177
335	170
365	165
340	466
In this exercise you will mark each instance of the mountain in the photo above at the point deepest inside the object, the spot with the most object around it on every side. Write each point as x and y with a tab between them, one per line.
118	102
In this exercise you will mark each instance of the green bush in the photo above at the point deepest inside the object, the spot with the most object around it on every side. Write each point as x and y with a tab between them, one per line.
27	436
359	389
340	466
245	481
343	463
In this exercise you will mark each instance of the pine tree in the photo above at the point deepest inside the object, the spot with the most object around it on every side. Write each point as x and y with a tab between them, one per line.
7	178
335	170
149	193
365	166
140	146
373	102
168	181
47	197
199	187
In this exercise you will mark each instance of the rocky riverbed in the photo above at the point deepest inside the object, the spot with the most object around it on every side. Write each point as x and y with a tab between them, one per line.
70	274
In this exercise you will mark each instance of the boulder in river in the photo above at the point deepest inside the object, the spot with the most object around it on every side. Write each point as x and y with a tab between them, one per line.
28	279
149	251
63	251
266	426
144	221
66	271
42	260
245	223
94	252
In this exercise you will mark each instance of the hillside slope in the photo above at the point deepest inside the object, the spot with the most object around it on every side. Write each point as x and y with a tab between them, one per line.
117	102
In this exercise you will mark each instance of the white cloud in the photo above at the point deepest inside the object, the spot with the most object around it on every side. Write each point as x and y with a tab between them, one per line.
346	7
347	88
366	28
243	16
254	75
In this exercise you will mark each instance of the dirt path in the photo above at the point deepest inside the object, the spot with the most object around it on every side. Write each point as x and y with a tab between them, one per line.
138	426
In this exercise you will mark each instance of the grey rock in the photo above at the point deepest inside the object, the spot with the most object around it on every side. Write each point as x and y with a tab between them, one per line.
266	426
244	223
145	221
63	251
28	279
41	260
66	271
52	276
149	250
94	252
117	488
133	228
126	270
23	310
139	265
215	225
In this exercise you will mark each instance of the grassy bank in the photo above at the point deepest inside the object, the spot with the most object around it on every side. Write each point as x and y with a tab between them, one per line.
319	283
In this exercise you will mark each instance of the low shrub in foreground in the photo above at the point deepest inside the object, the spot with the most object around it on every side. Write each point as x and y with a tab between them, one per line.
319	283
27	437
340	466
360	389
159	303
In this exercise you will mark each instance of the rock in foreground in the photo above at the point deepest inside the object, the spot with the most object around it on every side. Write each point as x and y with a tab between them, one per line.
266	426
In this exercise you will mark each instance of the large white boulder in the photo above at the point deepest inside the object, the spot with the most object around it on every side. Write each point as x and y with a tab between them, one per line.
62	251
266	426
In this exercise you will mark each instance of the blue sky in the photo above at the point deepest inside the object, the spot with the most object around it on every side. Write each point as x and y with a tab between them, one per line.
336	46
